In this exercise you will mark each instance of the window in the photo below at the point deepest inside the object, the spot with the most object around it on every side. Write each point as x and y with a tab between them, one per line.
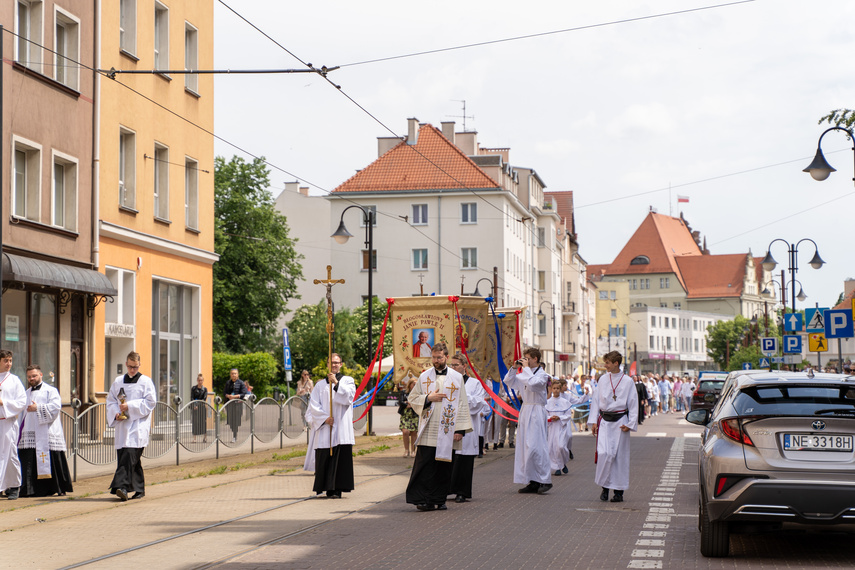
664	282
673	322
128	26
645	283
651	342
67	47
28	26
652	321
668	342
604	296
613	295
64	196
640	260
365	260
677	306
541	237
468	258
191	193
541	326
161	182
469	213
26	189
364	221
191	57
175	334
569	292
614	313
633	284
28	327
696	345
667	322
541	280
119	320
420	259
420	214
663	304
127	169
161	36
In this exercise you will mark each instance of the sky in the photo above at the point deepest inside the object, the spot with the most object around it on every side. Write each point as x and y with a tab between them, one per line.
637	103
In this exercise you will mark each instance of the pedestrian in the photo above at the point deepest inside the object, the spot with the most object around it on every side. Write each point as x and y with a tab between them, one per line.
678	394
686	392
614	413
463	460
235	389
531	459
331	437
13	400
409	423
198	409
558	430
439	399
304	385
41	449
131	400
642	398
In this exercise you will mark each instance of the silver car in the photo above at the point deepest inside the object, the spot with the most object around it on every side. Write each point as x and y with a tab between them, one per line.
777	449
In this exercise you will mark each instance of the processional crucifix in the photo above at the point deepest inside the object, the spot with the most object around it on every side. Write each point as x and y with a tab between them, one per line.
328	283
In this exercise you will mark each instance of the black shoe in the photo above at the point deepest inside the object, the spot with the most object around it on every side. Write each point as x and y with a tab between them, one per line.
511	445
571	457
618	497
336	495
498	446
423	507
480	455
441	507
565	470
459	499
543	488
557	473
13	493
122	494
530	488
604	496
138	495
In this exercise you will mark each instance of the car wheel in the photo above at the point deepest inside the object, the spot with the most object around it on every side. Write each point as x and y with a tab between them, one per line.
715	536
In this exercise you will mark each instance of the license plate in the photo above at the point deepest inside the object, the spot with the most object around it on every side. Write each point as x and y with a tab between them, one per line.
814	442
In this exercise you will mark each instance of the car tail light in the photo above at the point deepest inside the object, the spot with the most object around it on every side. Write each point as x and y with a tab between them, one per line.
727	480
733	429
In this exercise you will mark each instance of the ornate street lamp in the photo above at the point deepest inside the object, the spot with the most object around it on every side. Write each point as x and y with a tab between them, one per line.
819	169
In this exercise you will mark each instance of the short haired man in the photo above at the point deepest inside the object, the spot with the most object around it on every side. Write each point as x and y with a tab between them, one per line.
614	413
235	389
13	400
130	402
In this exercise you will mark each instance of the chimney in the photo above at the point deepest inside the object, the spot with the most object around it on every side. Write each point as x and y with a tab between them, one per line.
412	131
467	142
292	186
304	190
448	130
385	144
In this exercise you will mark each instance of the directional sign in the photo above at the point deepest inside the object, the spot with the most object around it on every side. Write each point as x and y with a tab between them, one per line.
792	344
815	320
793	322
838	323
764	363
768	345
287	348
817	342
746	366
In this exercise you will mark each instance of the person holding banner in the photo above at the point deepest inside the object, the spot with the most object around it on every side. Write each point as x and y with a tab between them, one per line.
331	430
531	458
439	399
463	461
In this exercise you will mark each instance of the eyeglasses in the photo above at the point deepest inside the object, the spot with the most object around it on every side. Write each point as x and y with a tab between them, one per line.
335	363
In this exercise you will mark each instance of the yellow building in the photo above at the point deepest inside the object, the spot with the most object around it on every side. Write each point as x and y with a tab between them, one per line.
155	188
612	316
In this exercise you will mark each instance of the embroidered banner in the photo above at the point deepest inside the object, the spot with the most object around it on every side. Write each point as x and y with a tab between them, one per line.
508	332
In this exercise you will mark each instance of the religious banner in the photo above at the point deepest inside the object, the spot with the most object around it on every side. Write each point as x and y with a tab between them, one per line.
507	323
471	326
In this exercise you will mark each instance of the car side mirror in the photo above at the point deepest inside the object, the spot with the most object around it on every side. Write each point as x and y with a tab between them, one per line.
699	417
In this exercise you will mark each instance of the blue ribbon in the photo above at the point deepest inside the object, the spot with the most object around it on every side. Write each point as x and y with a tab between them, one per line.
368	395
503	369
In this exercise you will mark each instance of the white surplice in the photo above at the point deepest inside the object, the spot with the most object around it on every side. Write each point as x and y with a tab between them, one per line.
478	408
42	429
418	398
14	399
141	398
531	456
558	431
322	436
614	393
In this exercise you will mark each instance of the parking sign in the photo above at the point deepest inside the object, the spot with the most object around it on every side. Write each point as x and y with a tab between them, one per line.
838	323
769	345
792	344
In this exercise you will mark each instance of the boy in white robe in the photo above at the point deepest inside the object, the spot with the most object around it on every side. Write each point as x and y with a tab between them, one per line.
558	420
13	400
531	457
331	430
614	413
463	460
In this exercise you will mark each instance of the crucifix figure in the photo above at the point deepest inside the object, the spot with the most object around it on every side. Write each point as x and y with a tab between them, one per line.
328	283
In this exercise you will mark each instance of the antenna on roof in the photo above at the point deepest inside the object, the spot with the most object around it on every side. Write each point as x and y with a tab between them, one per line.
464	116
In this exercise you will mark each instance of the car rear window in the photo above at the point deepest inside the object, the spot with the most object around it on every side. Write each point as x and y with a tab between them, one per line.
796	399
710	385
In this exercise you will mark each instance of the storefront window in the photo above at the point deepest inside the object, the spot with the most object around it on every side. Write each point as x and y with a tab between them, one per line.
175	308
28	327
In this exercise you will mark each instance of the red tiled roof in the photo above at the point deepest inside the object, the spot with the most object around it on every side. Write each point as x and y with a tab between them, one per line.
713	275
564	208
846	303
438	164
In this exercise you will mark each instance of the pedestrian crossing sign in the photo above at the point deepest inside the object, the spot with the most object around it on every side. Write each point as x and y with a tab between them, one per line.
817	342
815	320
764	363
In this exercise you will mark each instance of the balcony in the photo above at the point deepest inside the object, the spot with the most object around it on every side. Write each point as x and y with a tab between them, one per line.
569	309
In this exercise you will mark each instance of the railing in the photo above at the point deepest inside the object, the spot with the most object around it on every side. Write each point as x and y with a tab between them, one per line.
195	427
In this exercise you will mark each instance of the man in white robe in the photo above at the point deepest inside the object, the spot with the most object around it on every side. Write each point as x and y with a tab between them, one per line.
531	457
331	436
463	461
614	413
439	398
13	400
44	468
130	402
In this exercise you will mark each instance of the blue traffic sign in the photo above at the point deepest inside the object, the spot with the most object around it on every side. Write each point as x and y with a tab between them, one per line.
746	366
287	350
764	363
815	319
768	345
793	322
792	344
838	323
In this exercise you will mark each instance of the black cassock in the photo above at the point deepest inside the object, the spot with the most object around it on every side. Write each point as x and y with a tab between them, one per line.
198	410
60	479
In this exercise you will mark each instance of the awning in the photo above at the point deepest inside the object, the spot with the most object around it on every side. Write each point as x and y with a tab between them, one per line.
55	275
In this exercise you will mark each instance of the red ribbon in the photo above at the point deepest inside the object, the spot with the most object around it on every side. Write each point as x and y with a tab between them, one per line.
379	353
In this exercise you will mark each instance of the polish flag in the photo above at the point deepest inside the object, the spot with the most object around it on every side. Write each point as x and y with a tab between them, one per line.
682	199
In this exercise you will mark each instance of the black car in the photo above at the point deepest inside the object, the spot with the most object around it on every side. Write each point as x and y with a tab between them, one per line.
707	393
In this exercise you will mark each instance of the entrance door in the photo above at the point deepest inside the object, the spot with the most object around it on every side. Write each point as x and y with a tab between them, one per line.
77	374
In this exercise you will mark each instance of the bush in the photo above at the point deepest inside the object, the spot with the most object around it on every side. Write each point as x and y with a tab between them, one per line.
257	368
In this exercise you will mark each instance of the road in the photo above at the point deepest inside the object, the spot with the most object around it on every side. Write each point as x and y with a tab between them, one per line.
256	511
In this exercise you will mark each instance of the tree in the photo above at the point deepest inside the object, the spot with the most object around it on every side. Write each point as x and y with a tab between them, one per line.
839	118
310	340
361	342
258	266
724	338
750	354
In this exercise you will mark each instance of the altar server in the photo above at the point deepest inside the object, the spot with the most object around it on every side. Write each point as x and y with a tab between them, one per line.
463	461
558	414
13	400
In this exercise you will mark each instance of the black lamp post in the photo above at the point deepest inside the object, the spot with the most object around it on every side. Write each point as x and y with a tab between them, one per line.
540	315
769	264
477	293
819	169
341	236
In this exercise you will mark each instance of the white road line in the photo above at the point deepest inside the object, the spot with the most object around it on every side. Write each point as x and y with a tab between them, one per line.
656	434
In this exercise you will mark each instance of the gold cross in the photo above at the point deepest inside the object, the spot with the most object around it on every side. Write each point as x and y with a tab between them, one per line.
328	283
427	383
452	389
43	456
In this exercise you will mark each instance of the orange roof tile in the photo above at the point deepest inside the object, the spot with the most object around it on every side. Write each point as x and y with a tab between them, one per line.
846	303
564	208
433	163
713	275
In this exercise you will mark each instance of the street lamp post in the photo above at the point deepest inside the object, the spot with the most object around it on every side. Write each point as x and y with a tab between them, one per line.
540	315
769	264
341	236
819	169
492	287
609	335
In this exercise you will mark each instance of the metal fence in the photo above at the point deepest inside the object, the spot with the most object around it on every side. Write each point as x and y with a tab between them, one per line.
193	427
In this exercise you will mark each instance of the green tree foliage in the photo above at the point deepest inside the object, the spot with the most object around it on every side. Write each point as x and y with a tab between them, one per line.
258	267
258	368
361	342
839	118
743	354
724	338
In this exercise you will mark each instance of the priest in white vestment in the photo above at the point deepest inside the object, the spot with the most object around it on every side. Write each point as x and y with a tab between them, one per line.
463	461
531	458
614	413
13	400
439	398
331	430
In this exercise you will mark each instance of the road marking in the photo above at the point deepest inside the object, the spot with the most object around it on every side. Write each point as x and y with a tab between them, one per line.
649	542
692	434
645	564
642	553
656	434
